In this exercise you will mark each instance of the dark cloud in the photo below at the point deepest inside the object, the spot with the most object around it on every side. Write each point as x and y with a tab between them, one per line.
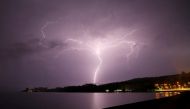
30	47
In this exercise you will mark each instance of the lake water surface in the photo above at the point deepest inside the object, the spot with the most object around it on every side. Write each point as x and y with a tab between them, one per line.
69	100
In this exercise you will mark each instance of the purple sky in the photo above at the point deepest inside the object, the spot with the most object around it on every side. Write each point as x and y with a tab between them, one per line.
161	32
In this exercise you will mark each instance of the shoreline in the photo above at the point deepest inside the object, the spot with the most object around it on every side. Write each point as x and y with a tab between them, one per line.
181	101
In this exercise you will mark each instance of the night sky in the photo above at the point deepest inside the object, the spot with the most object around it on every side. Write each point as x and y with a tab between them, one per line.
160	29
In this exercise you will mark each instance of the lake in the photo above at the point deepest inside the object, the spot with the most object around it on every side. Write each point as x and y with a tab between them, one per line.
70	100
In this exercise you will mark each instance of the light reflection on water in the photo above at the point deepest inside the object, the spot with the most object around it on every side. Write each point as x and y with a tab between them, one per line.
70	100
159	95
102	100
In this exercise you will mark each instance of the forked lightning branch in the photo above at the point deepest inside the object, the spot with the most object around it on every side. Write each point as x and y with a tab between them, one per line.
95	46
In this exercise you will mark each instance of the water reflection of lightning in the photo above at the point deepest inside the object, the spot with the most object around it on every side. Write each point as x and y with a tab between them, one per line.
95	46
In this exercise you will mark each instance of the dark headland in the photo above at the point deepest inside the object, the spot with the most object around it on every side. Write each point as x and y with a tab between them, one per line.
181	101
178	82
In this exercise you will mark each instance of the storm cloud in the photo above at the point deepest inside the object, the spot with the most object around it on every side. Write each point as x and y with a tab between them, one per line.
27	59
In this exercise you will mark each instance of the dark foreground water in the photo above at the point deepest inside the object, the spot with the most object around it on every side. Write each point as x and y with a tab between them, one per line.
69	100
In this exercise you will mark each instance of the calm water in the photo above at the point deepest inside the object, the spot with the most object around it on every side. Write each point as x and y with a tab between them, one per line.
69	100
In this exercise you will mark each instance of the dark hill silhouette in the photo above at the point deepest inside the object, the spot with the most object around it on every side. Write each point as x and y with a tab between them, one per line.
138	84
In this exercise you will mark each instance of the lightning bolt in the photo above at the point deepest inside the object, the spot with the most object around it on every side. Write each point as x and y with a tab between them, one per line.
98	53
94	46
44	33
